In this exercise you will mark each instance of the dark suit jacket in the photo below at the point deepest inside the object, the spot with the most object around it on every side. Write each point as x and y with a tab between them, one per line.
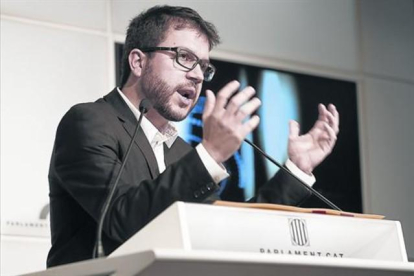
91	141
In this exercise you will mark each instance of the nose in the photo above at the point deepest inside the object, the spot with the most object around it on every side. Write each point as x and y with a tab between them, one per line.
196	75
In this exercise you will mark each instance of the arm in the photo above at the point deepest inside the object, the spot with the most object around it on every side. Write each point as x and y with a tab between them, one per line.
225	127
306	152
89	147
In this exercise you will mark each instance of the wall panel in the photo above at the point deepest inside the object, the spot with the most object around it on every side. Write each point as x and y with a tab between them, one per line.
44	71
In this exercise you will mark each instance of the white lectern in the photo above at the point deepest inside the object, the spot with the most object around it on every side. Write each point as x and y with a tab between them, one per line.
200	239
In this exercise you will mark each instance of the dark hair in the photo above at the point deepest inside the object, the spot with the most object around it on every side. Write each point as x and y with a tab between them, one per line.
149	28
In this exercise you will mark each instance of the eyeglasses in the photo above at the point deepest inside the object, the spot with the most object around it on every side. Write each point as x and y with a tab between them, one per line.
188	60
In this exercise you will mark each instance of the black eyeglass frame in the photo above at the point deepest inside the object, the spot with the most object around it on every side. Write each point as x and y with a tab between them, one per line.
208	75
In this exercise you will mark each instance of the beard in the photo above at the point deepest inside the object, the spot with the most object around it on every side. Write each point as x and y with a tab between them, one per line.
160	93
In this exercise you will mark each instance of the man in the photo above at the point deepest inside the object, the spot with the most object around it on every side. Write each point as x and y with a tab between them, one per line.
166	60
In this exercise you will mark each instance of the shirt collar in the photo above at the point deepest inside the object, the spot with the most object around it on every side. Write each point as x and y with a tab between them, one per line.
154	136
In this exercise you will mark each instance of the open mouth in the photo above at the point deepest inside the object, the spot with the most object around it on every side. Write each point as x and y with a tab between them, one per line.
187	95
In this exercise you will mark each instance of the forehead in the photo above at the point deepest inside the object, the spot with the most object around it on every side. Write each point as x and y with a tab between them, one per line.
187	38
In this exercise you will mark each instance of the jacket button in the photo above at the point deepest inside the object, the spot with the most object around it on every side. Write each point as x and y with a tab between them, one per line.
203	190
197	194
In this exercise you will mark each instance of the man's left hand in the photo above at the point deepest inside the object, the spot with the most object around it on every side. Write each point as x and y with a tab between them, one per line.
309	150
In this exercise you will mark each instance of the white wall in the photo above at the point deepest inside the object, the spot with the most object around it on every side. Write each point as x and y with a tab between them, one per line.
387	78
58	53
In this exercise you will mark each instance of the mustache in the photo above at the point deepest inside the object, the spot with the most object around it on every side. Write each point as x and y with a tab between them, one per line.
189	84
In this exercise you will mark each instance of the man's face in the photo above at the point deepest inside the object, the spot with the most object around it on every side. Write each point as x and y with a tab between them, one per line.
172	89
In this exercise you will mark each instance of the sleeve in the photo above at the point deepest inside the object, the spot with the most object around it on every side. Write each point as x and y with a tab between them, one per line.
87	156
217	171
307	179
282	188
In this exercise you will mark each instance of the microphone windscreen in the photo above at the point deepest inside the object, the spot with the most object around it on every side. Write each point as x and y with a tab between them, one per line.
144	106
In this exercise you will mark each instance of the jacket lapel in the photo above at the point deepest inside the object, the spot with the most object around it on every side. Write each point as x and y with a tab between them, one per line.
129	122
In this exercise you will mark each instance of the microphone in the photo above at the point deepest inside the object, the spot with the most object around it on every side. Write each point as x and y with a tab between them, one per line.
313	191
144	107
98	251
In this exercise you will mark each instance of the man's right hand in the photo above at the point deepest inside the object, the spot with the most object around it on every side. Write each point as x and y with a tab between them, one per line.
227	122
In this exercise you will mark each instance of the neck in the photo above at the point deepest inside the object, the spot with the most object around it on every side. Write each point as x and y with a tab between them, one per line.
156	119
153	116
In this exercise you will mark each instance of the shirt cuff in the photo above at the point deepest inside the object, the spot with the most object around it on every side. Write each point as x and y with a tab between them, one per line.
217	171
306	178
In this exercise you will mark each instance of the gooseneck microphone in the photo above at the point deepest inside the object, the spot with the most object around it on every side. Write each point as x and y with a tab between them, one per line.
98	250
313	191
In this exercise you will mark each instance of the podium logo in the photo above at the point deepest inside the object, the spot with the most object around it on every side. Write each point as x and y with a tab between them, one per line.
299	232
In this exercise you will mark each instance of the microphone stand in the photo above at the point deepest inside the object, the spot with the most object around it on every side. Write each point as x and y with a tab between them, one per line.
98	250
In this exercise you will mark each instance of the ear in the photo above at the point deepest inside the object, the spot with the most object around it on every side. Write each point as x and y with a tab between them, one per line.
137	61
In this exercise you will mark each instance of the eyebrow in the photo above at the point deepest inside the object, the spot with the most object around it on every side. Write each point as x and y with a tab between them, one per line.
191	51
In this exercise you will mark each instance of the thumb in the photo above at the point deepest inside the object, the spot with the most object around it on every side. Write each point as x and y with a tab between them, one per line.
209	103
294	129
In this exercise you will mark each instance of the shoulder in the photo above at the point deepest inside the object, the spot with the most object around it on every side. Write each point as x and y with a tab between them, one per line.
95	110
108	109
88	121
89	113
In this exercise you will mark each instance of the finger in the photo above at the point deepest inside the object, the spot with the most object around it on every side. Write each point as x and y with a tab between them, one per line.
294	129
250	125
322	112
239	99
332	109
331	135
248	109
225	93
332	121
209	104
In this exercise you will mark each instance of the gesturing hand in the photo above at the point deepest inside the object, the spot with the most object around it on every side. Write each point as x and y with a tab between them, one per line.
226	122
309	150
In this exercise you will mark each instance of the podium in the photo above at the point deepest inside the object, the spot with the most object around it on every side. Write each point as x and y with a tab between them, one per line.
200	239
